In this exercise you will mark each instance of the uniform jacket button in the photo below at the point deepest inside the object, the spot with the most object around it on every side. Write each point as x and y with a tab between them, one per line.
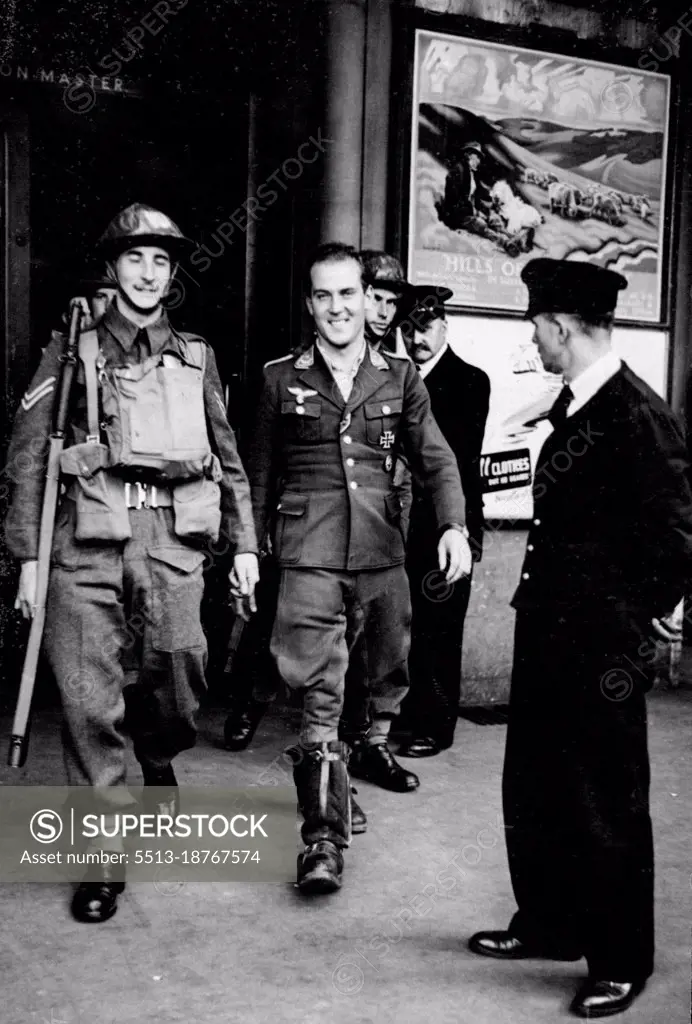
354	485
300	410
350	462
530	547
347	439
524	575
386	410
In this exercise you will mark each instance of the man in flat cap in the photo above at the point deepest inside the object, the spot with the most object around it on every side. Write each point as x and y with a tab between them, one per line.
609	554
459	398
467	204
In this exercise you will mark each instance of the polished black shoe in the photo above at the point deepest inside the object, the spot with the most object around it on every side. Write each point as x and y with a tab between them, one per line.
505	946
605	998
375	763
359	821
96	897
419	746
166	800
241	725
320	867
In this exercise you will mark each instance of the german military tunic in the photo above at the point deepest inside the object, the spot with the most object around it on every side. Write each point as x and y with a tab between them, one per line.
321	469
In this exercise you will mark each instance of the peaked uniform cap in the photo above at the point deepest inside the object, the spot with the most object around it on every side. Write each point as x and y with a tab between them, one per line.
571	286
426	302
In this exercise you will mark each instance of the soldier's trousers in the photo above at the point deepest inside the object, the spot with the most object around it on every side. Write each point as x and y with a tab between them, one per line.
124	640
317	610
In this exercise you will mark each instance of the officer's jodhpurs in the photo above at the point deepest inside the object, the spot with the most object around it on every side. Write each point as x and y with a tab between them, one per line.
123	621
310	644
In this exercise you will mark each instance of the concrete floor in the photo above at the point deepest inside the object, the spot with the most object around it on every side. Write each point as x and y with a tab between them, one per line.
381	950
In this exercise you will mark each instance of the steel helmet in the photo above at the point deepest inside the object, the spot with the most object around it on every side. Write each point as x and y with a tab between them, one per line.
383	270
140	224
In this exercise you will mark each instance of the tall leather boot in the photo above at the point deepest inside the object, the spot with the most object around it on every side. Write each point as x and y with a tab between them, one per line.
324	795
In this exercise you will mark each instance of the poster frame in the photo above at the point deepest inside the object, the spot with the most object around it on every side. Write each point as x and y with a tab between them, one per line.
557	42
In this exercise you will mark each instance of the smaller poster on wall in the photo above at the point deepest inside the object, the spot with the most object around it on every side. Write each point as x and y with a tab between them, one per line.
521	394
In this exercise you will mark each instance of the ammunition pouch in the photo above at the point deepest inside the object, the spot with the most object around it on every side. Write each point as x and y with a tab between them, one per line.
99	496
197	505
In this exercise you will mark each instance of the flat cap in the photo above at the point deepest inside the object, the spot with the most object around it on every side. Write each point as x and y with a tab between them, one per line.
571	286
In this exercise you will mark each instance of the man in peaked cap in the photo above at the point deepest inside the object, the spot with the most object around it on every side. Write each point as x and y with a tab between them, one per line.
321	460
151	476
609	554
459	398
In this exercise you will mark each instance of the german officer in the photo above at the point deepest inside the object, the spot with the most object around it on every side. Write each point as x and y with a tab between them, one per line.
609	553
329	425
152	476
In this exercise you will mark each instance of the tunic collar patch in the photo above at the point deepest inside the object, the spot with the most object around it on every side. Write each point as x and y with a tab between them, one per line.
377	359
306	359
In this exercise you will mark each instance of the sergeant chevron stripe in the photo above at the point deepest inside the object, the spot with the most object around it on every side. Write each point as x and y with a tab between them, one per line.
40	391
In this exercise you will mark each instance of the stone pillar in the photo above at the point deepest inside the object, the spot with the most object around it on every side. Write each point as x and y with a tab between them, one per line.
345	37
378	70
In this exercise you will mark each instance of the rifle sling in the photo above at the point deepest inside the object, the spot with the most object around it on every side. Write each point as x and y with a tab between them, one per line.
88	353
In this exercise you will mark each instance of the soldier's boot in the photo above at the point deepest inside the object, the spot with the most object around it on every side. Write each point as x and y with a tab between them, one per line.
351	733
324	795
241	724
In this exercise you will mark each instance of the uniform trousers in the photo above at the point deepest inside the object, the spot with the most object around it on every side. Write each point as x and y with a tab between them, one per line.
321	612
576	789
437	634
124	640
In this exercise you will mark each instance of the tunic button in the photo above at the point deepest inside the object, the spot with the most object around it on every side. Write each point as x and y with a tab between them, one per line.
347	439
386	410
524	575
300	410
350	462
354	485
536	522
530	547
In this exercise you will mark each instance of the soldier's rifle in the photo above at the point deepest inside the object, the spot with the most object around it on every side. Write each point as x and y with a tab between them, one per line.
19	740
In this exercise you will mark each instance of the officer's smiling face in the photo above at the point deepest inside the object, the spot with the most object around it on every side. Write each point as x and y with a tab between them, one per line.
380	310
143	274
337	301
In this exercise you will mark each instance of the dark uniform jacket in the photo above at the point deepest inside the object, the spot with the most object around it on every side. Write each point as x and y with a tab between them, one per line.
321	469
612	525
459	397
120	344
